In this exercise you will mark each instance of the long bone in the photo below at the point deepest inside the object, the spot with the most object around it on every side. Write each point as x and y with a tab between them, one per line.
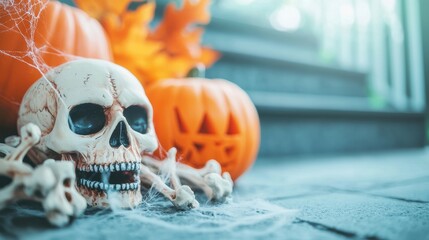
216	187
182	197
12	163
43	184
12	166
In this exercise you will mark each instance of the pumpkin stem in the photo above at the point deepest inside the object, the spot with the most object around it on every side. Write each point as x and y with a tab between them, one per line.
199	71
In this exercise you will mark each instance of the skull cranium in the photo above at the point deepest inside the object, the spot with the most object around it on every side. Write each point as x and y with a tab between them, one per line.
95	113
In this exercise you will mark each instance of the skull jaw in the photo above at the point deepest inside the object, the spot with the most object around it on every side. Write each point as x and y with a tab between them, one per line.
107	198
111	199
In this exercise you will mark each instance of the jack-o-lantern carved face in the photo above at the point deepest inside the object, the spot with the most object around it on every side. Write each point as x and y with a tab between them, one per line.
206	119
207	140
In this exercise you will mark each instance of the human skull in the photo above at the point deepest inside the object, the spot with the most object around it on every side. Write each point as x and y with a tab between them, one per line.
96	114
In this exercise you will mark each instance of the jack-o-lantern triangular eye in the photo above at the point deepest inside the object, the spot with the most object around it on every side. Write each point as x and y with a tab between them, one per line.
232	126
179	121
206	126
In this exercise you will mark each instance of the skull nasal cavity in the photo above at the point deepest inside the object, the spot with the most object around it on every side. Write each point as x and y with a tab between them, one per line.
120	136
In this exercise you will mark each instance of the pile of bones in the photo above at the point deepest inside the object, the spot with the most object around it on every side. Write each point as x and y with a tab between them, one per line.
87	127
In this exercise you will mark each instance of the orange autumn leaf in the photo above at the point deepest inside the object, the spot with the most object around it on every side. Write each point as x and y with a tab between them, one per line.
128	34
176	20
129	27
171	50
178	33
208	56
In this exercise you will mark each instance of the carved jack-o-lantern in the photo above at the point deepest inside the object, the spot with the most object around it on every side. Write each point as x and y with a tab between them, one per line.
206	119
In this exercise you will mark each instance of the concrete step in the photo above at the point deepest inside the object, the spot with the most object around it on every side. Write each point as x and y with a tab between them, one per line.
314	125
263	73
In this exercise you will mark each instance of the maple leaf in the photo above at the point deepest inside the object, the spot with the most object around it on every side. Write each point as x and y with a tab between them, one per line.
176	20
176	28
171	50
208	56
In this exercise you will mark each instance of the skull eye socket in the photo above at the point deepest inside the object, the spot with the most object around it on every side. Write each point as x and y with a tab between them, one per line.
87	118
137	118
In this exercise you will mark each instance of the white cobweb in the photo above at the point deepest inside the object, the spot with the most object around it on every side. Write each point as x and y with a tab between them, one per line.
156	218
27	13
22	18
19	13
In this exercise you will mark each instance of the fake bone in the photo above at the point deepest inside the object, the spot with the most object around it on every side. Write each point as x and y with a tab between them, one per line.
51	184
208	179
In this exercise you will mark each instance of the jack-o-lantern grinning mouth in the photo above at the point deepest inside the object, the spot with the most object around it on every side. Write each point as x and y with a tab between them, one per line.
109	177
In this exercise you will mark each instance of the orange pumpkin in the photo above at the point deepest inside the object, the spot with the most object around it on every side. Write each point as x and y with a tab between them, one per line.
60	30
206	119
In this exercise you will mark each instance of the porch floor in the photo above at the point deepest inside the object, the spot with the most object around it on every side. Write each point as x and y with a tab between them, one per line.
373	196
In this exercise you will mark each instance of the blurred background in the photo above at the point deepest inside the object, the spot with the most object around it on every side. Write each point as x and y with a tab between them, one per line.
327	76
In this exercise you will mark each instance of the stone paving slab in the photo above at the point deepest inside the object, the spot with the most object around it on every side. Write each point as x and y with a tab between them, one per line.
349	172
380	196
365	216
373	196
417	192
248	190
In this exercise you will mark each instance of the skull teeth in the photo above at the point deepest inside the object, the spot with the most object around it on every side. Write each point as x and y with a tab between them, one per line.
109	187
109	177
114	167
